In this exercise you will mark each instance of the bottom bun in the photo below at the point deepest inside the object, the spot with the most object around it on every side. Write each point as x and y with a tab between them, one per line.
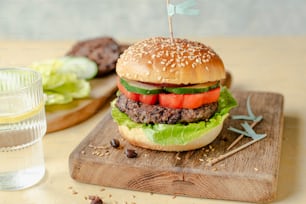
137	137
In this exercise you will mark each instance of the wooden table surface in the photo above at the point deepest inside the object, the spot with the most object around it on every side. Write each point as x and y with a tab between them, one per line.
274	64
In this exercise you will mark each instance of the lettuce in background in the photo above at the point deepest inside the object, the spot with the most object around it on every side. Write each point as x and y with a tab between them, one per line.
60	87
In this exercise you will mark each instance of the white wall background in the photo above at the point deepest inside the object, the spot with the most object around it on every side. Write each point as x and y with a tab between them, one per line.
130	19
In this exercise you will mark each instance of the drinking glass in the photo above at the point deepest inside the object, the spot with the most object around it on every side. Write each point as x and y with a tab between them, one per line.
22	127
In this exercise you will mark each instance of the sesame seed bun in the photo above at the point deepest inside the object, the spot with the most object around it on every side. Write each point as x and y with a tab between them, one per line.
158	60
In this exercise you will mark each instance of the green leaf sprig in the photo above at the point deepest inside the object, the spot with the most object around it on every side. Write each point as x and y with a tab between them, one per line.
248	131
250	115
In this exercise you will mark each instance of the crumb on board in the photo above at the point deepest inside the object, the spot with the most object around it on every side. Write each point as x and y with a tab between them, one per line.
94	199
73	192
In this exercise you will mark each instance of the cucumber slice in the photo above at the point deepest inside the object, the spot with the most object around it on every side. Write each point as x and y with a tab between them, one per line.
141	88
198	88
83	67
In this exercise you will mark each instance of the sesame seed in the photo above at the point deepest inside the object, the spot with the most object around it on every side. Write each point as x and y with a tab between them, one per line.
163	80
198	60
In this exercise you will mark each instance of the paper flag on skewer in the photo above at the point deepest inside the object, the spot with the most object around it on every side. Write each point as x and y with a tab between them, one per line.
183	8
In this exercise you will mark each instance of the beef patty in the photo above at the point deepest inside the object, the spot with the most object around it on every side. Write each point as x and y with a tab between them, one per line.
143	113
104	51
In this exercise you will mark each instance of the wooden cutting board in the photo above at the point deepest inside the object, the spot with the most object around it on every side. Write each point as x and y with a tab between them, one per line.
63	116
249	175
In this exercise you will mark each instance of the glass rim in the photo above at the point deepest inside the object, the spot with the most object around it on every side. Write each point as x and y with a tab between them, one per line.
37	76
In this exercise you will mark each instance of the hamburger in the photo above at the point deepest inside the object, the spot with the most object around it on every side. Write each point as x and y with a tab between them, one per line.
170	97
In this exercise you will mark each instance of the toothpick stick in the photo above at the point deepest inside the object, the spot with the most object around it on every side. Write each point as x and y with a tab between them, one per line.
170	24
223	156
241	136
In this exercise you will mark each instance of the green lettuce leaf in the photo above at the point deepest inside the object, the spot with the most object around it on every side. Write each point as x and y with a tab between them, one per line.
57	98
76	89
184	133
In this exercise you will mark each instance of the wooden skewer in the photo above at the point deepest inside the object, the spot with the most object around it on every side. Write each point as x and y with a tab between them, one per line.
223	156
241	136
170	24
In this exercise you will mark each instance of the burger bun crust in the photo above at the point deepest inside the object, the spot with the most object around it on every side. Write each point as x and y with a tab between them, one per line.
159	60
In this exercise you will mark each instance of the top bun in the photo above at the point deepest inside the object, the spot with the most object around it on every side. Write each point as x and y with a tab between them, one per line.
158	60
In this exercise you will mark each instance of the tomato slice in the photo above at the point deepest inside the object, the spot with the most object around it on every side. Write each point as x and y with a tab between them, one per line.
188	100
193	100
171	100
128	94
148	99
200	99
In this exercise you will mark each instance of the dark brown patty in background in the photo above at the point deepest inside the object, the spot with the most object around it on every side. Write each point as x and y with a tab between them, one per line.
104	51
143	113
